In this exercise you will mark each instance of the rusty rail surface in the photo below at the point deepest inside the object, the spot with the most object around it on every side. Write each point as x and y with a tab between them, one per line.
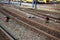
39	13
4	35
52	33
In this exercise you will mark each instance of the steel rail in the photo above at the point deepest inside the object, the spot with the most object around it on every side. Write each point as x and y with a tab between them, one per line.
7	33
44	28
39	13
34	12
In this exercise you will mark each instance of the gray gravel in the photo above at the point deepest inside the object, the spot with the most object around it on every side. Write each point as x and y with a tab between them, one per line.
20	32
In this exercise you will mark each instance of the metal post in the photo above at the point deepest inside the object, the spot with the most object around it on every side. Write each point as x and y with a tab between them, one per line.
20	1
35	4
32	3
9	1
54	3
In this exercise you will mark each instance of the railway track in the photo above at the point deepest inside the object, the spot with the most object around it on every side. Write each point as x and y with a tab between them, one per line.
4	34
41	13
51	24
49	32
